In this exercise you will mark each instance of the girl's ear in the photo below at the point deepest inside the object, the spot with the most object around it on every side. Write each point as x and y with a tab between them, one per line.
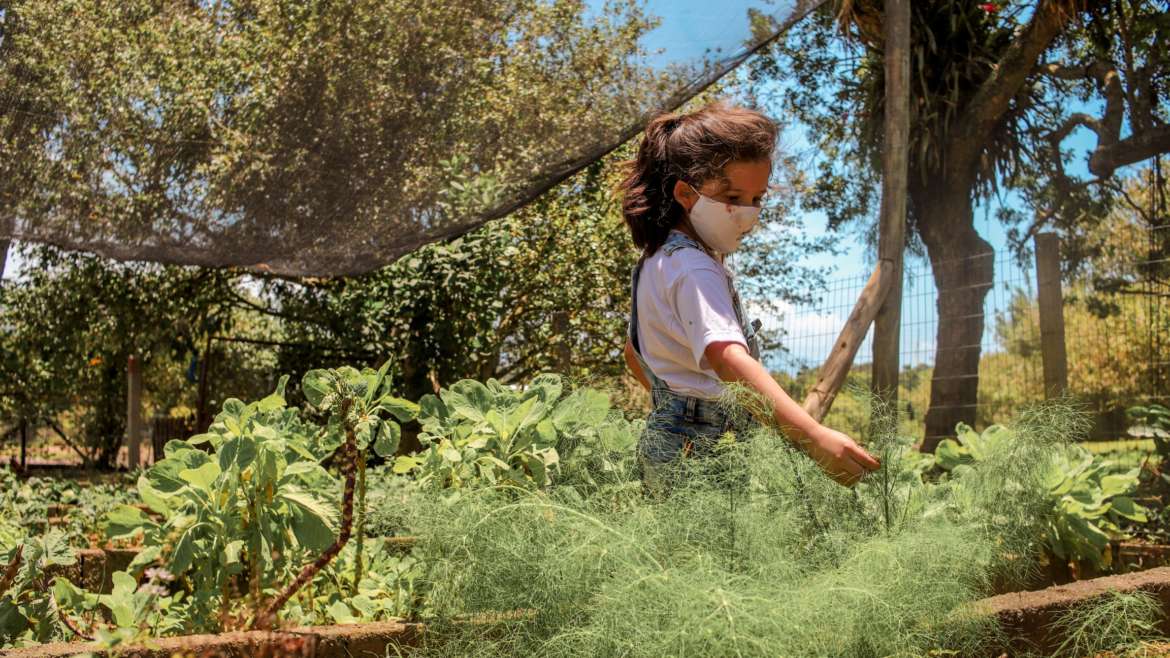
685	194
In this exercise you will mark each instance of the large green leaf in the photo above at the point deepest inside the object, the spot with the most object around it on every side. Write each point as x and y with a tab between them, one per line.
584	407
1119	483
1125	506
377	382
546	386
154	499
949	454
273	402
432	410
201	478
403	410
501	424
313	520
528	412
386	443
238	452
165	476
469	399
315	384
124	521
121	600
57	551
184	551
12	622
146	557
405	464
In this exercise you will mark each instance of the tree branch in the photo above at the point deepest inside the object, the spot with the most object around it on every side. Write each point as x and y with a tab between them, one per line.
994	96
247	304
1135	148
1108	126
85	459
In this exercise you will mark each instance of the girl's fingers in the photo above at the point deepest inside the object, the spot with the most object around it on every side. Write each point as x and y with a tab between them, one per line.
864	458
851	471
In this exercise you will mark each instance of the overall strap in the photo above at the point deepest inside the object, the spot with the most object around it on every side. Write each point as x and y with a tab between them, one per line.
751	330
657	386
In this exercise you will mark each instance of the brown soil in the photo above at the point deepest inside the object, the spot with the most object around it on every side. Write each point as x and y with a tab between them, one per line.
1029	615
368	640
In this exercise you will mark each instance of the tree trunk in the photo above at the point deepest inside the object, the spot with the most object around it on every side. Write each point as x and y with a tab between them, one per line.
963	266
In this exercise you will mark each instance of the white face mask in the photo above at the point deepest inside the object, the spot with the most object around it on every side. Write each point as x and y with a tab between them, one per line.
722	225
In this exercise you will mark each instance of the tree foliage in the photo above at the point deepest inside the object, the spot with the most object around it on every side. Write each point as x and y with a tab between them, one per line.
997	89
198	132
70	322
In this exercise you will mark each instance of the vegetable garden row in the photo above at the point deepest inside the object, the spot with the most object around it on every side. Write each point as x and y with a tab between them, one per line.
522	528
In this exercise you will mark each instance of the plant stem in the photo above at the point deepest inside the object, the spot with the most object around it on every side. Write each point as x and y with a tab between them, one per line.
361	520
348	457
11	569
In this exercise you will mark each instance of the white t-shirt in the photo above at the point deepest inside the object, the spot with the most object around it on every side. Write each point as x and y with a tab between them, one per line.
684	305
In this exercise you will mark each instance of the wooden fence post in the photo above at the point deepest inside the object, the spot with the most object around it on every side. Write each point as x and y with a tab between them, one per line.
1051	302
880	303
23	445
836	367
134	412
887	325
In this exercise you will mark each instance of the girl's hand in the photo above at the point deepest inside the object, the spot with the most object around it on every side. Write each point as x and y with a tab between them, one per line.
839	456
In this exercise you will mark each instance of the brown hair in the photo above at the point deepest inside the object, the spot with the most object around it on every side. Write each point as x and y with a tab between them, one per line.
695	148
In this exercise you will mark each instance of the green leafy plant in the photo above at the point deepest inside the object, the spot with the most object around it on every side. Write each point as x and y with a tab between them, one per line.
1090	496
136	611
77	509
1151	422
246	514
248	510
29	612
490	433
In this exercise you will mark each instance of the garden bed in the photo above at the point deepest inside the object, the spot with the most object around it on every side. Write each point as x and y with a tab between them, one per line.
366	640
1027	617
95	566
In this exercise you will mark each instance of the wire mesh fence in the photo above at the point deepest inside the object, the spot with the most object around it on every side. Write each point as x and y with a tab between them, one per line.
1116	336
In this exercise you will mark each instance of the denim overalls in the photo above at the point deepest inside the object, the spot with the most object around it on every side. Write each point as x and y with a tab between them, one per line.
681	424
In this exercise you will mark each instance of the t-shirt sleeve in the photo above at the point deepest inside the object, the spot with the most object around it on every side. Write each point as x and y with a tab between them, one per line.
705	310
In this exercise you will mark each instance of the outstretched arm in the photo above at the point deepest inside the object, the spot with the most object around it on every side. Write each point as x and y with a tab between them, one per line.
839	456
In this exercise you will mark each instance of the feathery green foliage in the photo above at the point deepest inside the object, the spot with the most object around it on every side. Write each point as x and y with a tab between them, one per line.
755	552
1116	621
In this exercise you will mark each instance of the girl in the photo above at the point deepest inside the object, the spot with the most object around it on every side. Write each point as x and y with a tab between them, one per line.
691	194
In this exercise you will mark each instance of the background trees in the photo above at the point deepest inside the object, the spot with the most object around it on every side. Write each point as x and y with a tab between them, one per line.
998	90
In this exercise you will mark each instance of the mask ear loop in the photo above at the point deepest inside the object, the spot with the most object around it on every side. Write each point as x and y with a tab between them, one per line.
691	227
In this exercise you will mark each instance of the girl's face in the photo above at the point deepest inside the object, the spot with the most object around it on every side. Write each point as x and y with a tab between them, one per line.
744	183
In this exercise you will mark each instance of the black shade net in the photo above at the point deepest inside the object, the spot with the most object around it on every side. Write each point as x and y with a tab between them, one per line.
327	138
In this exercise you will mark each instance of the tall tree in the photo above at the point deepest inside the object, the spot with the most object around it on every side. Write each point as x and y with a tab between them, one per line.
998	88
